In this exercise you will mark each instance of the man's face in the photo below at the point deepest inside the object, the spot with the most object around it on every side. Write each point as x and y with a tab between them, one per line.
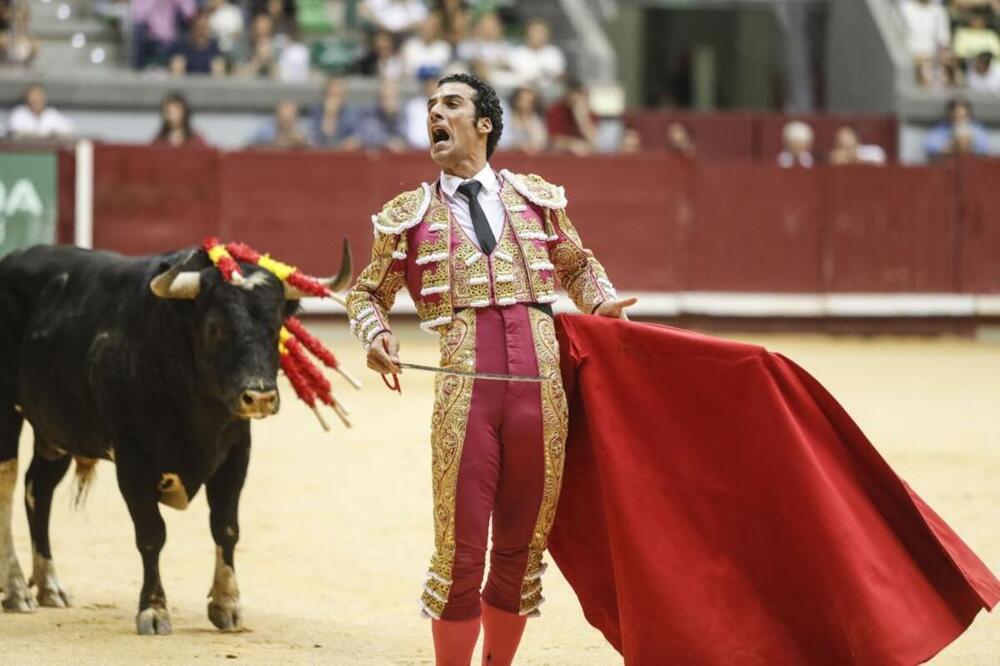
36	99
454	132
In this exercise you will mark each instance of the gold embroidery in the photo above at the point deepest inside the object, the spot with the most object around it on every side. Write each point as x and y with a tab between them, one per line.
555	422
376	286
403	211
453	399
580	273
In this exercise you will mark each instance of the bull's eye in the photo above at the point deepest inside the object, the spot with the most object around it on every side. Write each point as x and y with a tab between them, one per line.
214	330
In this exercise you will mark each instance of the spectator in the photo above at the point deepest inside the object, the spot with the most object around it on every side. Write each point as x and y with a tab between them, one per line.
571	124
199	53
959	134
928	37
283	14
455	18
283	130
415	111
797	137
334	123
395	16
978	37
263	58
35	119
848	149
17	43
524	128
175	123
381	126
488	53
680	140
155	23
631	142
537	63
426	50
984	75
225	20
293	61
382	60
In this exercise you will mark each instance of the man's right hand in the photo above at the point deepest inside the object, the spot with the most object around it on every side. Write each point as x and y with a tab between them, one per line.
383	354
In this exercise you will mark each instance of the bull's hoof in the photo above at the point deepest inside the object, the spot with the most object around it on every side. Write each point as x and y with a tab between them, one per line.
50	593
153	622
226	616
18	598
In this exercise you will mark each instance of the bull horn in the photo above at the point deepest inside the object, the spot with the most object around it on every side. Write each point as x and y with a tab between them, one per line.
175	283
333	284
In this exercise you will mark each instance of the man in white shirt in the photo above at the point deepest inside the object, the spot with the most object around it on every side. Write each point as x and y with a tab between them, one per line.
426	50
35	120
537	63
479	252
928	35
984	75
394	15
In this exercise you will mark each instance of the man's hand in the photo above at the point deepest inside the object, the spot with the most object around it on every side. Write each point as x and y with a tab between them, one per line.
615	308
383	354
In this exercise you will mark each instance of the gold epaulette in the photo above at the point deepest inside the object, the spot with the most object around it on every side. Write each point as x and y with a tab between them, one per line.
536	189
403	212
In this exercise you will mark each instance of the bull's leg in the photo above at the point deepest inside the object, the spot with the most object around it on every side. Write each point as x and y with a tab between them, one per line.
138	485
16	593
46	471
223	491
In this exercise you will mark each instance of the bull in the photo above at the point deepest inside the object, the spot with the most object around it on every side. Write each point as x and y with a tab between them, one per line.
155	363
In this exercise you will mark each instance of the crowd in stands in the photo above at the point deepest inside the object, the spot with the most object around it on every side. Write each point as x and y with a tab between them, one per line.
954	42
18	46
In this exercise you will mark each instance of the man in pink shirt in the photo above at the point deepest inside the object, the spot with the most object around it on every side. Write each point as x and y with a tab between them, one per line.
156	23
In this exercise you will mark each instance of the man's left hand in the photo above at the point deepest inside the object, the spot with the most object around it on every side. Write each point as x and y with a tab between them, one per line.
615	308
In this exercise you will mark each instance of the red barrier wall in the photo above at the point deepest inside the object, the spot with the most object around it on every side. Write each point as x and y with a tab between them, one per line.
658	224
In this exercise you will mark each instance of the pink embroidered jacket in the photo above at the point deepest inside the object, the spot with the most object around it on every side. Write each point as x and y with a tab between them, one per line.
419	245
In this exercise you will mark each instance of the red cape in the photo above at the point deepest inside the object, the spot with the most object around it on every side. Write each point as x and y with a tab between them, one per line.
720	507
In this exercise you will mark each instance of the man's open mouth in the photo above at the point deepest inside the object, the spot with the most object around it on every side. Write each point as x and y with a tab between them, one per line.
440	136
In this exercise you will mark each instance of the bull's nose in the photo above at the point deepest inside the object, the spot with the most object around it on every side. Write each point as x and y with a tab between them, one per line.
259	403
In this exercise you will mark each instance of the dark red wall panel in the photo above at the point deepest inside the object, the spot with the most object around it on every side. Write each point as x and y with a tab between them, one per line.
979	228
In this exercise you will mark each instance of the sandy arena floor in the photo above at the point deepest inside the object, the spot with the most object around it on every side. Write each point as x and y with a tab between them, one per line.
336	528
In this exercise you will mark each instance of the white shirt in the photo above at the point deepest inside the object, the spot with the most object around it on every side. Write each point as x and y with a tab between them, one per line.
397	15
49	122
537	68
489	200
415	123
985	83
417	54
927	27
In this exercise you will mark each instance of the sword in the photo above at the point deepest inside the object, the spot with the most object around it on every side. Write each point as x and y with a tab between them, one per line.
495	376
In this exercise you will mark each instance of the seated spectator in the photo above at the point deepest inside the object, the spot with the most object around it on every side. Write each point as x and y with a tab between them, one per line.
35	119
572	125
225	20
928	37
175	123
415	111
977	37
959	134
488	52
283	13
984	75
18	45
263	58
524	128
199	53
155	28
382	60
631	142
381	125
395	16
680	141
334	123
426	50
848	149
797	138
537	63
455	19
293	60
283	130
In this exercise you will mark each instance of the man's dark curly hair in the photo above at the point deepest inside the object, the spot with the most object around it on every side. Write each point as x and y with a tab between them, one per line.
487	105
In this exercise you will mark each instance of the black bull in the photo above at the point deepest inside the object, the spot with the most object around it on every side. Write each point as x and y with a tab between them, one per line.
155	363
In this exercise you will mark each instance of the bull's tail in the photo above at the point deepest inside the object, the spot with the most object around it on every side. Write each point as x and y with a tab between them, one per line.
83	477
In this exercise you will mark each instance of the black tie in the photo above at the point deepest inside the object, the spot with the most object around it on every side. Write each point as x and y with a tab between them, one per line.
479	222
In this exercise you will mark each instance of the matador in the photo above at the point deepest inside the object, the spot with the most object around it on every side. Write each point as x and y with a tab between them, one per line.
480	253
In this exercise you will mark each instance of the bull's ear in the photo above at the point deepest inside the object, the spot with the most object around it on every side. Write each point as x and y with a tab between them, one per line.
176	283
336	283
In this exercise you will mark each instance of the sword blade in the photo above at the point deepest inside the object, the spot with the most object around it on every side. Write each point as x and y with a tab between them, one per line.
494	376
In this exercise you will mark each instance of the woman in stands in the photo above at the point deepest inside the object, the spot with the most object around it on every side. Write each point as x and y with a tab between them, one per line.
175	125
